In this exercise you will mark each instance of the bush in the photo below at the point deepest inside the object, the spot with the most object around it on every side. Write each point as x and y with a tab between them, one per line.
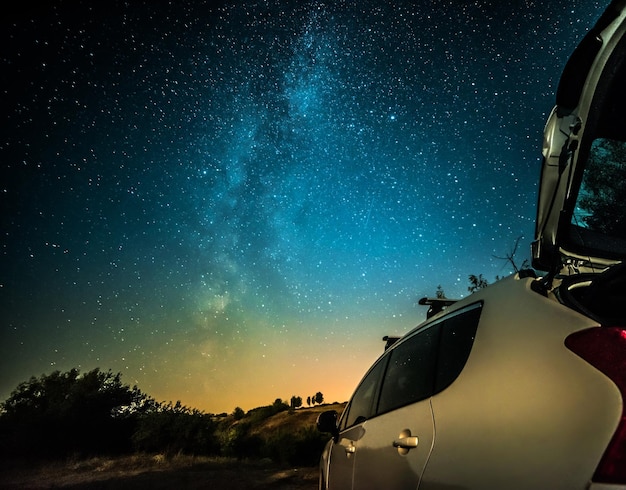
302	448
176	429
236	441
259	414
69	413
73	414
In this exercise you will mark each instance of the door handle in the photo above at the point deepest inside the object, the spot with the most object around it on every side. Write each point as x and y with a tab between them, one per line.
350	449
405	442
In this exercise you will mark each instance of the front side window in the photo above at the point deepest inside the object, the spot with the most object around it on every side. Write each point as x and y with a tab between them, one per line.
362	406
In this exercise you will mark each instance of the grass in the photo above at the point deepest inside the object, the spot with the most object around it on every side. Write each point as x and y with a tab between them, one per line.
155	471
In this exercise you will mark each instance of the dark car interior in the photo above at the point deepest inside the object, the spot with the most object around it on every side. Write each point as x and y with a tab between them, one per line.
599	296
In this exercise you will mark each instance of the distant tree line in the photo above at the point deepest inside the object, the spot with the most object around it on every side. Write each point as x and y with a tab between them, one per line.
74	414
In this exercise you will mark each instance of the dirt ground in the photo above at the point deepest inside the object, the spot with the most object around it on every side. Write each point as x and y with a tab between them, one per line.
156	473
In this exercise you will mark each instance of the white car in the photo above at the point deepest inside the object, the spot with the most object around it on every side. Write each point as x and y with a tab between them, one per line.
522	384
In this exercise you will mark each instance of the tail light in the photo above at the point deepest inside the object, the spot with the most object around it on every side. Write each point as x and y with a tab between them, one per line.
605	349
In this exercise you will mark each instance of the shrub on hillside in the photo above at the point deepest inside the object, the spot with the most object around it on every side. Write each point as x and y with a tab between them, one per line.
175	429
300	448
259	414
236	441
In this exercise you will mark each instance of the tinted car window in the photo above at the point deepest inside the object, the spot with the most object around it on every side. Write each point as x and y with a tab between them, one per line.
410	375
429	361
416	368
457	337
362	405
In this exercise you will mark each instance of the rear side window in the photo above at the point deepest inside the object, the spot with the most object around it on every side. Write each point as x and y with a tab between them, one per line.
430	360
410	374
457	337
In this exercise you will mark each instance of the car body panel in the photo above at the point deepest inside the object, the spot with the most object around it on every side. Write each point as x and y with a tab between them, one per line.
542	408
525	411
365	440
376	449
341	455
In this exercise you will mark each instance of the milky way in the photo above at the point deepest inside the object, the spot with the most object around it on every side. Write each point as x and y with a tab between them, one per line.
234	203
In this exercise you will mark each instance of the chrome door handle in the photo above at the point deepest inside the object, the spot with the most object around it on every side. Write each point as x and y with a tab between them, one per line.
405	442
350	449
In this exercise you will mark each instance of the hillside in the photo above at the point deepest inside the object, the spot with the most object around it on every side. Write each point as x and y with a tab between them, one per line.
275	432
293	421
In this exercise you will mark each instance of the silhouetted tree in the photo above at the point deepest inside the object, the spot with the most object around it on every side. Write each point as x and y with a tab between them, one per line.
238	413
296	401
476	283
319	398
308	401
63	413
510	258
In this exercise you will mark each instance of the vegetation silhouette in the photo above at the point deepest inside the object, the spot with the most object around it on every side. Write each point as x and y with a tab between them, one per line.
66	413
603	195
296	402
70	414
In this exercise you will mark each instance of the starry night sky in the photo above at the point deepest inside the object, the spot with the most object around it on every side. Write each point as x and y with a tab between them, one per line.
234	203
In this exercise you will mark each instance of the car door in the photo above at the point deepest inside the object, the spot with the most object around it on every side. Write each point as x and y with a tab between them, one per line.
395	448
351	429
387	432
395	444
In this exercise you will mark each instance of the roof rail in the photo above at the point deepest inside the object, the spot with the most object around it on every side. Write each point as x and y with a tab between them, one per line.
435	305
390	341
